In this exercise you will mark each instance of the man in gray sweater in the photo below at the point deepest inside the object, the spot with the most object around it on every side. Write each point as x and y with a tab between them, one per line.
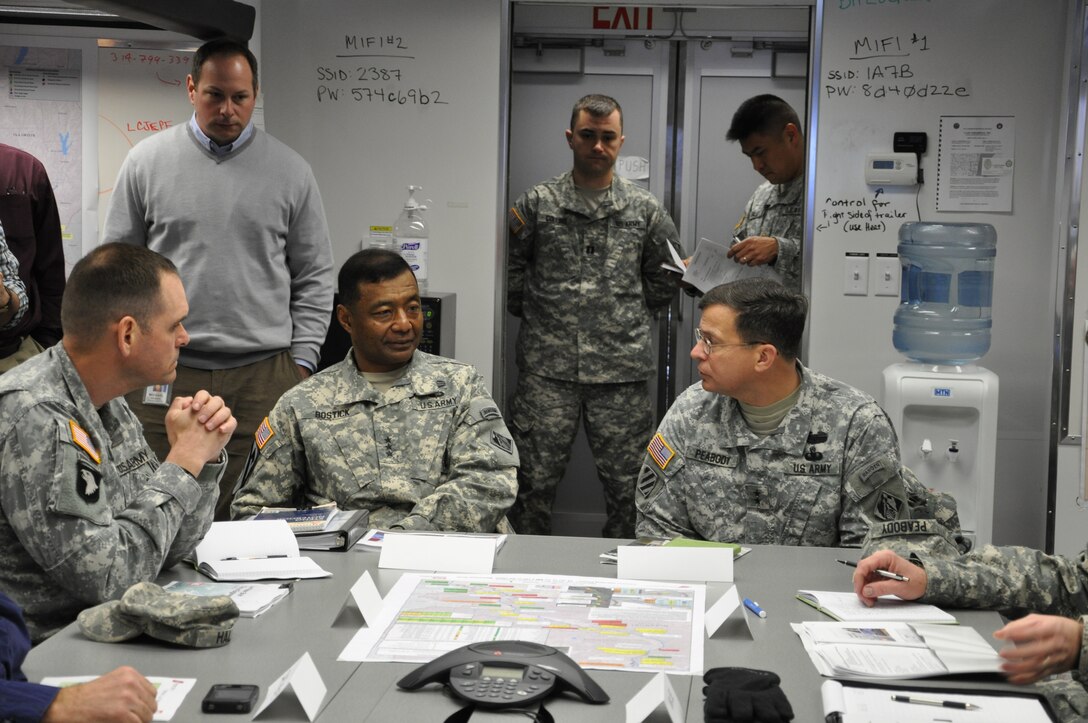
240	215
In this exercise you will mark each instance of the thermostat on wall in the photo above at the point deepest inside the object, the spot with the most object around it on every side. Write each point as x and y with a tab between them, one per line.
891	169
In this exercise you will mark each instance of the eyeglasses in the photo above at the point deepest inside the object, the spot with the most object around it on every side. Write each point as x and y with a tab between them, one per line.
709	348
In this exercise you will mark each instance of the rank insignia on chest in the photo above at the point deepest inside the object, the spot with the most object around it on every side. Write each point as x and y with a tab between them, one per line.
88	482
814	446
263	434
83	441
660	451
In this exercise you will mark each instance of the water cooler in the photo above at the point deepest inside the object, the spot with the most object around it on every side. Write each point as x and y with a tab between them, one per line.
943	406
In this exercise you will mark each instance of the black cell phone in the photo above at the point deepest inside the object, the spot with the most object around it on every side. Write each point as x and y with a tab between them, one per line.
229	698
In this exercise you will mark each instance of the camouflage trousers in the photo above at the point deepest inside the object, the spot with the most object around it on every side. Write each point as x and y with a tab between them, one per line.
250	391
544	417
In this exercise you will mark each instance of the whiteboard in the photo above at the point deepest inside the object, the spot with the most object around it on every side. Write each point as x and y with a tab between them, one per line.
141	91
972	57
387	93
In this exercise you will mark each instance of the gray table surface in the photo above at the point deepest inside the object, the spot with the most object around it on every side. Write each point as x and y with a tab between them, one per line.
314	618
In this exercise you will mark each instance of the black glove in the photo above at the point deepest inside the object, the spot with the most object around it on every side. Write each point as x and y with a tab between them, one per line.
744	695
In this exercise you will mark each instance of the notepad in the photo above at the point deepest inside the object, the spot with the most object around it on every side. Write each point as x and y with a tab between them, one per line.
847	607
253	550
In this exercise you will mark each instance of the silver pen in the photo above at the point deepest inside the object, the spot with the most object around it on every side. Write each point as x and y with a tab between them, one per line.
886	573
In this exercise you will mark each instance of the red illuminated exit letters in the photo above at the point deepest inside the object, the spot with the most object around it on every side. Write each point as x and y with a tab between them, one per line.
611	17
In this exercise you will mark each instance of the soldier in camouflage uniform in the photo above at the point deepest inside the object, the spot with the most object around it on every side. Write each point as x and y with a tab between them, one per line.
87	509
765	451
770	134
1015	580
414	438
584	275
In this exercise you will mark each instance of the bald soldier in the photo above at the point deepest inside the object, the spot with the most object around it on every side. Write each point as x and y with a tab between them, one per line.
414	438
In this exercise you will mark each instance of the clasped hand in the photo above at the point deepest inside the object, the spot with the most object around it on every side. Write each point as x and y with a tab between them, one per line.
198	427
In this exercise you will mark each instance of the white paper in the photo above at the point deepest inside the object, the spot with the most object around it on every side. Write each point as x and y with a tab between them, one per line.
720	611
305	680
708	564
169	692
895	650
442	553
655	693
367	598
273	568
846	606
247	539
875	705
710	267
975	163
252	598
253	550
601	623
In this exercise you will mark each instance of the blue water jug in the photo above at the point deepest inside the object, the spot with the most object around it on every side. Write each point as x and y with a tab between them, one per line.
947	288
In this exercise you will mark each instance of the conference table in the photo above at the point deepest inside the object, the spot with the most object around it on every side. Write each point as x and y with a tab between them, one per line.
317	617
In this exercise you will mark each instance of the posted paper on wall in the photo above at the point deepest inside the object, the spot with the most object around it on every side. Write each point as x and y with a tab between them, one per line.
975	163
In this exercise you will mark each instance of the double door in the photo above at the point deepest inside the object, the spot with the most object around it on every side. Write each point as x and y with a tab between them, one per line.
678	97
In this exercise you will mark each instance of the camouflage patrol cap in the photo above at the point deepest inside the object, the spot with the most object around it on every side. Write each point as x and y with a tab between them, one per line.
197	621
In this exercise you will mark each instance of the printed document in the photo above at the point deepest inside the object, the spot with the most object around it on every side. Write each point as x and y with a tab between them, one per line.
601	623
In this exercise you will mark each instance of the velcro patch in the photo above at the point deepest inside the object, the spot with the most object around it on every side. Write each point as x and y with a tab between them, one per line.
516	222
83	441
88	482
263	434
650	482
888	506
429	403
902	527
502	442
873	475
660	451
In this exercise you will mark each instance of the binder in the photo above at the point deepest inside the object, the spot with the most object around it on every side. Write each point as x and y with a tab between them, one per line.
996	704
343	531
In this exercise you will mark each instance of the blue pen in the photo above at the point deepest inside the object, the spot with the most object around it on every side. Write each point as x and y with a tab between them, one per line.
754	607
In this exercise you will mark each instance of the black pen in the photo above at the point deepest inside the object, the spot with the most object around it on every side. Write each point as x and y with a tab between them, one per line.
934	701
886	573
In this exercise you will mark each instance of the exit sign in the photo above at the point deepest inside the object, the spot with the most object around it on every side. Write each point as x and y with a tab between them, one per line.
623	17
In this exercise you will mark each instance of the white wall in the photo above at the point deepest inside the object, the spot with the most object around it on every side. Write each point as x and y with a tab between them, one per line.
1009	55
365	152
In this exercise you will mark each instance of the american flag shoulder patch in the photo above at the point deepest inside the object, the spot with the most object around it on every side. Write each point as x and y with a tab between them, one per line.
660	451
515	220
83	441
263	434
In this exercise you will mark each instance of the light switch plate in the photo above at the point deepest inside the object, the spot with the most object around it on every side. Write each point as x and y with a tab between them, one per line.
886	275
856	277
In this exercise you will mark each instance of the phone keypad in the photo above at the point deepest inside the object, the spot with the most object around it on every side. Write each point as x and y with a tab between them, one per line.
498	691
